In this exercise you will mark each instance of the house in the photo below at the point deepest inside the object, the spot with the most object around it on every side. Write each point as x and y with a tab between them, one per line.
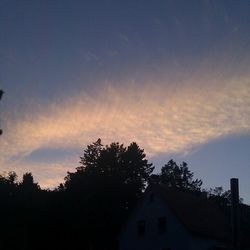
167	219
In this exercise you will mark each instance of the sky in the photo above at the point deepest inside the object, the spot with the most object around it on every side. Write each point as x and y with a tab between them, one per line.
171	75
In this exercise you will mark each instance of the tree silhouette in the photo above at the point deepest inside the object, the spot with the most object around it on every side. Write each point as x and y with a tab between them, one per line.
113	163
220	196
8	185
179	177
28	185
90	207
106	186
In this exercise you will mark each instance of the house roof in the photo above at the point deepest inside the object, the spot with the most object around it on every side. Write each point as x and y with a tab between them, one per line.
198	214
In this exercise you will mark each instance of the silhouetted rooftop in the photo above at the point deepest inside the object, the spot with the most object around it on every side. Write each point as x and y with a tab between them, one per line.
198	214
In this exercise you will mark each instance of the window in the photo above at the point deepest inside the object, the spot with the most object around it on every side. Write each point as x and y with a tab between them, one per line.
141	228
162	225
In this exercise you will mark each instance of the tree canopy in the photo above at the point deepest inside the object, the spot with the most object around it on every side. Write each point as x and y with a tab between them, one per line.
110	179
178	176
93	202
112	170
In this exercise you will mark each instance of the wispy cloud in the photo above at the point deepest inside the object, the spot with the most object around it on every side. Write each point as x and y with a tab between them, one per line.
159	116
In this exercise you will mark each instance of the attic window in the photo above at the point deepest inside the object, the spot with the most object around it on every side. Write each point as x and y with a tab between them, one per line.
141	228
162	225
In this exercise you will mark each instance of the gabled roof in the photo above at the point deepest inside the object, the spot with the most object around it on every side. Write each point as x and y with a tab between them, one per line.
198	214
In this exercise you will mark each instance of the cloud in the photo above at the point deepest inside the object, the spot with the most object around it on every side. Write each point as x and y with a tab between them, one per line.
160	117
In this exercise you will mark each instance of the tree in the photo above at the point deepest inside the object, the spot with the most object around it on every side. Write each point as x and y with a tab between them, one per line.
8	184
220	196
91	156
113	163
179	177
28	184
105	186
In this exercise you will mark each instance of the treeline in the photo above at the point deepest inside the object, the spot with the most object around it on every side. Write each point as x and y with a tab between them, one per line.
87	210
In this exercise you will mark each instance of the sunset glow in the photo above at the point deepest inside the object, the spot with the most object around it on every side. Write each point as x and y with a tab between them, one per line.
153	117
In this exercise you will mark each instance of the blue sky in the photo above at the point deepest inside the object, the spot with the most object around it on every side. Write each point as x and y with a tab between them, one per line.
171	75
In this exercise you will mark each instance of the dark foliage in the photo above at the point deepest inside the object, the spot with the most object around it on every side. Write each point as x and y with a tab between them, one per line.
109	180
219	196
177	176
85	212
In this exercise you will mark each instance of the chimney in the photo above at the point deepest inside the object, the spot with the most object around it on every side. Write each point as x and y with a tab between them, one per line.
235	213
